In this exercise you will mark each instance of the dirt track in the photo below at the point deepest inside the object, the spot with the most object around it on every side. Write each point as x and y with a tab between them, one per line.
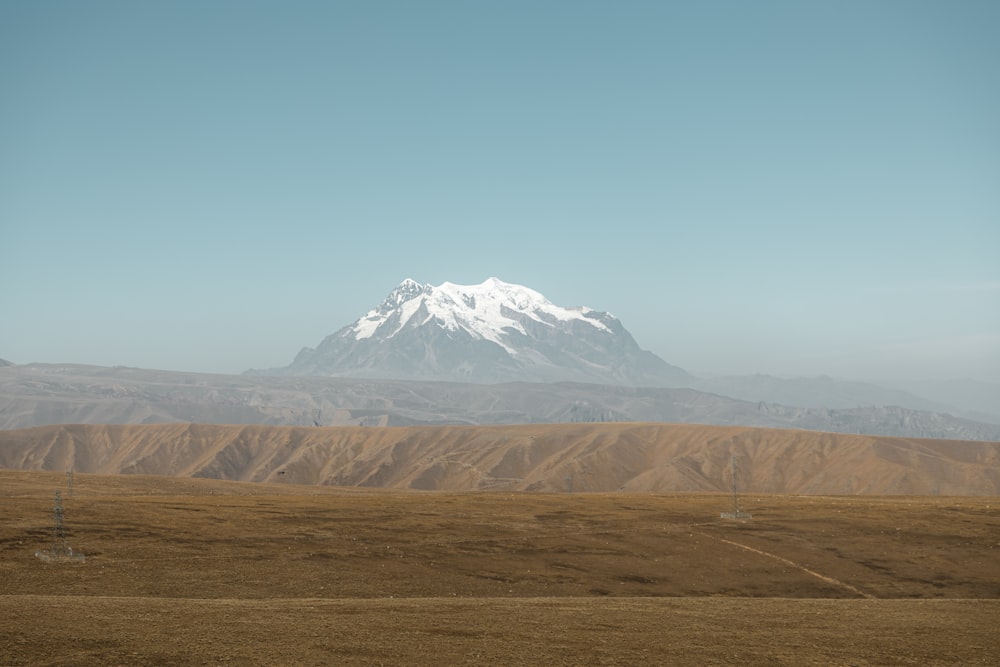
182	571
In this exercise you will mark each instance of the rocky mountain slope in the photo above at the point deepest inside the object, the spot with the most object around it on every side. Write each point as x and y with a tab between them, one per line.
38	394
981	403
486	333
977	400
563	457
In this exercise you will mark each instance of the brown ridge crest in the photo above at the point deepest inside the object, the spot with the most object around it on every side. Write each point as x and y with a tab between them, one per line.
608	457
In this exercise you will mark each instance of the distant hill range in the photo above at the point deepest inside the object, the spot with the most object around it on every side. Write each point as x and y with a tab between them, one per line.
39	394
498	332
636	458
493	353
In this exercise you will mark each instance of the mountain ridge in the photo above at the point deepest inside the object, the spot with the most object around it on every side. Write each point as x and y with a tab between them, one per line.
39	394
635	458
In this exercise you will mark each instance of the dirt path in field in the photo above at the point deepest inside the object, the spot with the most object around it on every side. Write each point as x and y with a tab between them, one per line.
823	577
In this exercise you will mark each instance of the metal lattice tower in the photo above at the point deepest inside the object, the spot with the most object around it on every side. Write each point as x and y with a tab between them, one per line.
737	511
736	495
59	528
60	551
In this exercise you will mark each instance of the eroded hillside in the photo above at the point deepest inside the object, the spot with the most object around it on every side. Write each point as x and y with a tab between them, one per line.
546	458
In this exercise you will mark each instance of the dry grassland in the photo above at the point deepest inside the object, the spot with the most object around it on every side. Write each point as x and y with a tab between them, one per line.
202	572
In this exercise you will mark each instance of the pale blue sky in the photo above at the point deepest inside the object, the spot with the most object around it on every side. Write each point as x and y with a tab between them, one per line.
781	187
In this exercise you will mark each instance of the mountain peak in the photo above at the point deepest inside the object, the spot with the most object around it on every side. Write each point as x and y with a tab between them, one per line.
491	310
490	332
405	291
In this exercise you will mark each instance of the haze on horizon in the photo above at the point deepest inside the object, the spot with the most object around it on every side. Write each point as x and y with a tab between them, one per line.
779	187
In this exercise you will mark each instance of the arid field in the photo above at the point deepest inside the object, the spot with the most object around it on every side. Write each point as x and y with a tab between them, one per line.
191	571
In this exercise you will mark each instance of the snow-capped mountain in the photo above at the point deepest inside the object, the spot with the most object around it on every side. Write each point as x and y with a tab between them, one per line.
491	332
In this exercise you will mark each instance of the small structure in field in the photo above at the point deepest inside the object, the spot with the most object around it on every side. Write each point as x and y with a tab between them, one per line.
737	511
60	551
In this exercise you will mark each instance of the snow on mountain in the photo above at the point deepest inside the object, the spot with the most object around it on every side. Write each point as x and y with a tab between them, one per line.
484	311
490	332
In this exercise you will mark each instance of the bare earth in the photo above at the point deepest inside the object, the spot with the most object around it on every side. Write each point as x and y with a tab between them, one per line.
203	572
611	457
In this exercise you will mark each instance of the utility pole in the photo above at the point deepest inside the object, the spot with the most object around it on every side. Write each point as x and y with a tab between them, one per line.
60	550
737	512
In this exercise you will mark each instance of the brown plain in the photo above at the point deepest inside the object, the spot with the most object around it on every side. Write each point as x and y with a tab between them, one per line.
183	571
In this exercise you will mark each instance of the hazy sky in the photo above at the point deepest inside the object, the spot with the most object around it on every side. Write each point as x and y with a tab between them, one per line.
782	187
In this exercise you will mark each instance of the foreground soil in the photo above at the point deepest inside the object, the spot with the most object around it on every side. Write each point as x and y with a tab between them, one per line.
491	631
185	571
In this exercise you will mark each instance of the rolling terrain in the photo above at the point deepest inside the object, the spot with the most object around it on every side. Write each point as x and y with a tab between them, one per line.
196	571
629	457
41	394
